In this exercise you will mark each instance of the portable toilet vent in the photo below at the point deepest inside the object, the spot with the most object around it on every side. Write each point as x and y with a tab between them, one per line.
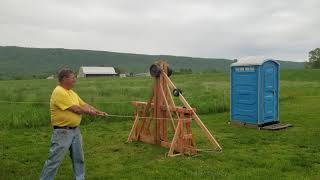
255	91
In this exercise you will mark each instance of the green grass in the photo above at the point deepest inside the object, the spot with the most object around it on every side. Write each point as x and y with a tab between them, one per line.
113	95
247	153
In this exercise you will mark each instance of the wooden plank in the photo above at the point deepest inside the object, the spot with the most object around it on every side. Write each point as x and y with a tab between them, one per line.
175	138
168	108
163	98
174	155
133	128
156	112
161	122
177	109
147	126
151	97
276	126
181	132
142	127
141	103
170	95
187	136
172	101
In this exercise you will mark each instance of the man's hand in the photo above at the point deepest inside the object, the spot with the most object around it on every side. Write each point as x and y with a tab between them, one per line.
100	113
92	112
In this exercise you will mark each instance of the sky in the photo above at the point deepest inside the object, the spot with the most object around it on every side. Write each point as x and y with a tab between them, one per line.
279	29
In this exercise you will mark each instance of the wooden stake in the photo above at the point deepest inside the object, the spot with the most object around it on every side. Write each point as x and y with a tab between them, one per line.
133	127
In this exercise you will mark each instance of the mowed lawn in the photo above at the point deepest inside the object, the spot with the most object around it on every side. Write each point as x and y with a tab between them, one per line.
247	153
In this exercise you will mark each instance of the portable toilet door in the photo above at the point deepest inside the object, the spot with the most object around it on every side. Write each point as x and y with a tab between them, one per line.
270	91
255	91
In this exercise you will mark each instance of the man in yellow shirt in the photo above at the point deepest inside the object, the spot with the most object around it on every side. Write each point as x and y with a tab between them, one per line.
66	108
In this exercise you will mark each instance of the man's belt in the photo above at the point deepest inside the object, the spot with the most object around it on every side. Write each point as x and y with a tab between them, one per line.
64	127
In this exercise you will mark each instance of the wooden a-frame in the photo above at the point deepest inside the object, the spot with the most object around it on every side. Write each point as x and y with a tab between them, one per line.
153	117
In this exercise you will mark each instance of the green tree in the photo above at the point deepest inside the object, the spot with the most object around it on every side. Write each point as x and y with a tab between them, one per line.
120	70
314	59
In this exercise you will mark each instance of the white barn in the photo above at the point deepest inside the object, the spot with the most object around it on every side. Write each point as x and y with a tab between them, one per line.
91	71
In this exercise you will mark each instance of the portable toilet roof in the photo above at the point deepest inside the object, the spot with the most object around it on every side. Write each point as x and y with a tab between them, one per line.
254	91
252	61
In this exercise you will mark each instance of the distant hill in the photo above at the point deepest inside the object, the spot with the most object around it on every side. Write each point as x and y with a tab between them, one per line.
21	62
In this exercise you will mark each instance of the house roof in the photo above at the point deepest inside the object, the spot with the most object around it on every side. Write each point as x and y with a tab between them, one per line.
98	70
252	60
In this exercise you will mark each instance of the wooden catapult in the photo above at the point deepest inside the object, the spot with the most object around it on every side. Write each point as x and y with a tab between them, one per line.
153	117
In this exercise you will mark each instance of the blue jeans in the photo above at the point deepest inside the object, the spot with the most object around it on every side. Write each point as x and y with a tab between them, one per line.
63	140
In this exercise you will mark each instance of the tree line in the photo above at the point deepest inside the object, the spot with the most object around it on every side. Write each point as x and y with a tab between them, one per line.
314	59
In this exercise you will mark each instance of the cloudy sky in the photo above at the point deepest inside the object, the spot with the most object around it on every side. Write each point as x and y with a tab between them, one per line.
280	29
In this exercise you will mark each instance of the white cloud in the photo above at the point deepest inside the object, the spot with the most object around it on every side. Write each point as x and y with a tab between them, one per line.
206	28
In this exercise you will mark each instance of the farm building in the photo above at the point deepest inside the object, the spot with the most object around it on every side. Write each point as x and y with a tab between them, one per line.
90	71
255	91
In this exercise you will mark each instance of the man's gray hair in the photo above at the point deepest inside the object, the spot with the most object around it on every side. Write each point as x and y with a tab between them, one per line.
64	73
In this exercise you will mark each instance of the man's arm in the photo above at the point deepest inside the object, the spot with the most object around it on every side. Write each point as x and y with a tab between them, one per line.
87	109
91	108
81	110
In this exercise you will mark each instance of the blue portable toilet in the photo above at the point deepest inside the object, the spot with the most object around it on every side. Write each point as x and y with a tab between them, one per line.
255	91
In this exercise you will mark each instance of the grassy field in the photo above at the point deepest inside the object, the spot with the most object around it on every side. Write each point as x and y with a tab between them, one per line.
247	153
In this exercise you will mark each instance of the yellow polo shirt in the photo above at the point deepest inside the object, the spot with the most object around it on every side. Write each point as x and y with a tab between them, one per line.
61	100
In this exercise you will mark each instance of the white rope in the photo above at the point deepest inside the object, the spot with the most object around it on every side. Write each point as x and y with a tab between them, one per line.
140	117
122	116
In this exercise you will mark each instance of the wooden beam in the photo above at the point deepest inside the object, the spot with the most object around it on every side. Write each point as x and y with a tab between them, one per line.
141	103
171	98
168	108
150	98
133	127
175	137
